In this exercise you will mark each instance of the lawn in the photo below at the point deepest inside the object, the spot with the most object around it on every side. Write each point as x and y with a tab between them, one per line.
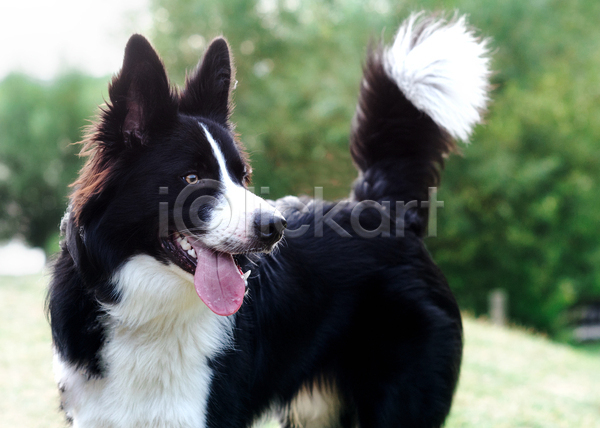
510	378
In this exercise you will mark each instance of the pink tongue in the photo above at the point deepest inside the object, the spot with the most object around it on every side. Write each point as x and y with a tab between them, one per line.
218	281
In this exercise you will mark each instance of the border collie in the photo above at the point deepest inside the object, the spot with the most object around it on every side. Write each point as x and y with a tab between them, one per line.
169	306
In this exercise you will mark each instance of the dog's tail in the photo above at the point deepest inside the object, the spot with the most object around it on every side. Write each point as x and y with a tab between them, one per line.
416	98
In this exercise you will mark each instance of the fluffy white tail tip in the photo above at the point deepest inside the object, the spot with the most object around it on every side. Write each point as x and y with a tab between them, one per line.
443	69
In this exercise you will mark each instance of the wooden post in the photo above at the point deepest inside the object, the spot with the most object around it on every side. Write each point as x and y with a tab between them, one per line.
498	301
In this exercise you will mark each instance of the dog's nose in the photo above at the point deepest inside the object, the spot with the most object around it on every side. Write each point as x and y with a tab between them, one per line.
269	230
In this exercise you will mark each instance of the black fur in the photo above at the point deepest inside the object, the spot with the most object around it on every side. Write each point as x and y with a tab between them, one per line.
372	317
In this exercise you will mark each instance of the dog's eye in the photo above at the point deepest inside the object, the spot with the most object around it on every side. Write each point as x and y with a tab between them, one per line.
191	178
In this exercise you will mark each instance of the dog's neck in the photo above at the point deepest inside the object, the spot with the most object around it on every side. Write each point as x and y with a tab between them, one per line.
159	338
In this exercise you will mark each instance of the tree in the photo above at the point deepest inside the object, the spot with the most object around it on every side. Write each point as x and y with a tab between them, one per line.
39	124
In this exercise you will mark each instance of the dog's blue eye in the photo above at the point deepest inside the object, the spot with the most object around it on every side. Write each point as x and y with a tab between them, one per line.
191	178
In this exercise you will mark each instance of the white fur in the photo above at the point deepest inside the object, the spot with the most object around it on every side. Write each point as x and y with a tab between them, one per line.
443	69
316	407
232	226
160	336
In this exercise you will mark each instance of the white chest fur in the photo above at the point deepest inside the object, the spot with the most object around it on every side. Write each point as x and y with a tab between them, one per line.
160	336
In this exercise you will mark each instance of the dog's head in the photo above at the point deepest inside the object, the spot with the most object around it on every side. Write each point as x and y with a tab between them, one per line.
166	177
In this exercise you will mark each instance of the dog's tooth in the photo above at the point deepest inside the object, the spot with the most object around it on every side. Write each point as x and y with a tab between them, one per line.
192	253
246	275
185	245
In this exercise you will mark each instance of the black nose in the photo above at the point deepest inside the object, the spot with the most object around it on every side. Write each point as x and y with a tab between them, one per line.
269	227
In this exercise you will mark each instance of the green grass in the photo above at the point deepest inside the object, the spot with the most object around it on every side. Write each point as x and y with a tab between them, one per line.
29	396
510	378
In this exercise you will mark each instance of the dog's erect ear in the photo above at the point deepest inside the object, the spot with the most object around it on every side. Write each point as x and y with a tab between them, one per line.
140	94
207	90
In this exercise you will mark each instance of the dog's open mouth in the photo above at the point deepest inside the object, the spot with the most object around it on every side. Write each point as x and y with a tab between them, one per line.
218	278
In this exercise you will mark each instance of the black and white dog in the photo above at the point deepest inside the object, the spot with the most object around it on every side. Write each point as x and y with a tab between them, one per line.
168	305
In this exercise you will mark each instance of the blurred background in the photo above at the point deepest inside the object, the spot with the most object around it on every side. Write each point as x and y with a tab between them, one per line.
518	235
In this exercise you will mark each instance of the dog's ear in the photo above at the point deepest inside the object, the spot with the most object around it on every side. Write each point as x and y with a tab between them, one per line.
140	95
207	90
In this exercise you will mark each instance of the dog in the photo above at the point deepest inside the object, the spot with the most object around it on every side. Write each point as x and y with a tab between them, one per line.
181	299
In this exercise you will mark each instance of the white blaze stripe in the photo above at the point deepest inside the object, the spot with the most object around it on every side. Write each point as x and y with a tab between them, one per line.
225	178
233	219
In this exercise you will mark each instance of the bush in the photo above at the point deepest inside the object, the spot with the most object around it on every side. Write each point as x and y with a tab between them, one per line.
39	122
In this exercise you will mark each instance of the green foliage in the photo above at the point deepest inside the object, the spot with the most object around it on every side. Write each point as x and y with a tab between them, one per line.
521	205
520	208
38	124
298	66
520	211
